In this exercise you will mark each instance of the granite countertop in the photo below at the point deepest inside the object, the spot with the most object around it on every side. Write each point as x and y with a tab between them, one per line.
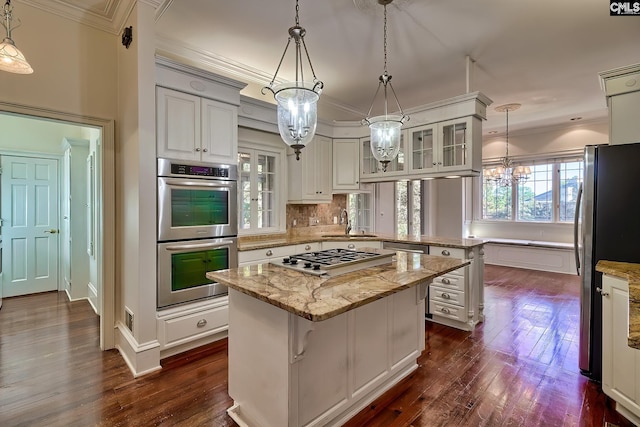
318	298
631	273
247	243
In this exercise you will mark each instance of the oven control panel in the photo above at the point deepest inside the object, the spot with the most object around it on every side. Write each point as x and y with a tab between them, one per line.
212	171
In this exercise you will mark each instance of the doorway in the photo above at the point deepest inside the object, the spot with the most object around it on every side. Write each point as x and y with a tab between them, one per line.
33	134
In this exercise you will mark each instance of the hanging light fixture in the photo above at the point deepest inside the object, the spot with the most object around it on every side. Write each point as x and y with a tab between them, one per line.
297	100
505	174
11	59
385	129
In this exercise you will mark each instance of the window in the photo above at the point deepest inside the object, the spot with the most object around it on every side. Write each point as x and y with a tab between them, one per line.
549	195
409	195
258	171
359	207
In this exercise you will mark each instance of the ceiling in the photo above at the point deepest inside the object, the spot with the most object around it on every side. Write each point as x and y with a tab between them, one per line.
543	54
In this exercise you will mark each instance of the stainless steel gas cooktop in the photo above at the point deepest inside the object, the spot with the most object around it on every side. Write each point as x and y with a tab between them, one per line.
335	261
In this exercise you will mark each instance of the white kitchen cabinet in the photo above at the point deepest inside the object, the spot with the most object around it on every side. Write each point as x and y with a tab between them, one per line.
190	127
622	88
456	298
445	147
310	177
371	169
354	245
620	363
258	256
189	326
346	165
308	247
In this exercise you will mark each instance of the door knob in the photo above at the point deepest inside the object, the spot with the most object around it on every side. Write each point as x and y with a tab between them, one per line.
52	231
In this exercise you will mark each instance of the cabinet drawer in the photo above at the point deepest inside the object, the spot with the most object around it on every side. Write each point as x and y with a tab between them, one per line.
265	254
451	281
446	295
449	311
308	247
185	327
450	252
352	244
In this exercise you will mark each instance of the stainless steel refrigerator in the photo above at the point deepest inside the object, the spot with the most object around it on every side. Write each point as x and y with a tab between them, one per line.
609	224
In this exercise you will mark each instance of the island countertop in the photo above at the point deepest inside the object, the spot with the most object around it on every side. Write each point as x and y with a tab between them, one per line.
631	273
318	298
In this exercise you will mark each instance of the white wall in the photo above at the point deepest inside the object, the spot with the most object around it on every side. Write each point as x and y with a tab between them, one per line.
26	134
136	193
449	198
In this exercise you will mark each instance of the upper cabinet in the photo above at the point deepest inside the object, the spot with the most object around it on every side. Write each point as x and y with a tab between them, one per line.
622	88
446	147
193	128
346	165
196	114
444	139
311	178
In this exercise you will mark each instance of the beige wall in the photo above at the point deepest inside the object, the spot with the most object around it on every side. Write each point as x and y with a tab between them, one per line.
74	65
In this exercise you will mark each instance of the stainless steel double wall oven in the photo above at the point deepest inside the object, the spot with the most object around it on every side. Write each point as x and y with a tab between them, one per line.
197	228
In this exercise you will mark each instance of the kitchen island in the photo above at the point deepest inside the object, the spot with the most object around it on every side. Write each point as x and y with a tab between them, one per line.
309	350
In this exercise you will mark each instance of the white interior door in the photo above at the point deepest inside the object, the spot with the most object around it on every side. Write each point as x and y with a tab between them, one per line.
29	225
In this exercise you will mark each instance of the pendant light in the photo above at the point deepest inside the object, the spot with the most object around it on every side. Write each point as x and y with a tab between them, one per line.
11	59
297	100
385	129
505	174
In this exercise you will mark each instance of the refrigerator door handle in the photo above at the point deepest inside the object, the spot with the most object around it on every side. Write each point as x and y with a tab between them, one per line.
576	221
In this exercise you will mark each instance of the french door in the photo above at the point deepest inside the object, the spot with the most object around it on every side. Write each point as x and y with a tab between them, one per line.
29	211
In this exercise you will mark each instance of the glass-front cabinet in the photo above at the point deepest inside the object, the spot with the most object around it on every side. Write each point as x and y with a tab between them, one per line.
372	169
257	175
441	147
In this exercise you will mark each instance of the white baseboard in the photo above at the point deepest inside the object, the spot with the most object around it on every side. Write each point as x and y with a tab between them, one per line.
93	297
141	359
557	260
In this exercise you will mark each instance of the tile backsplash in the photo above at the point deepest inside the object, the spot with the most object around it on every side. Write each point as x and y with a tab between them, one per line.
320	214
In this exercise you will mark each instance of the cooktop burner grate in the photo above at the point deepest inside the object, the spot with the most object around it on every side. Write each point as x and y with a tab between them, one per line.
335	261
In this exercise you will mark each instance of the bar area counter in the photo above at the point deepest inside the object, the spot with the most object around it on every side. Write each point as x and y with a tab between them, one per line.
309	350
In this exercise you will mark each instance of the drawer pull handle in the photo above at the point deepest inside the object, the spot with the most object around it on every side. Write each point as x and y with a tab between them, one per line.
445	310
201	323
446	281
446	296
351	246
307	248
446	253
269	252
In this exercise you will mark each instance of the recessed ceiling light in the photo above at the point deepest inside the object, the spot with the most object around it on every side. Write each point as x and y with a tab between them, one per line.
575	119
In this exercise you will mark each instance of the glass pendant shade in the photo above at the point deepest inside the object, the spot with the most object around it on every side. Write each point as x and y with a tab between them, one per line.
12	60
385	138
297	113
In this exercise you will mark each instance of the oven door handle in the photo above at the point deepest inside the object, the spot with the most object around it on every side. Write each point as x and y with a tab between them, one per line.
200	246
191	184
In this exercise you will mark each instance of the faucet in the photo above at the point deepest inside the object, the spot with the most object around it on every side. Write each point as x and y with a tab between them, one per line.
344	217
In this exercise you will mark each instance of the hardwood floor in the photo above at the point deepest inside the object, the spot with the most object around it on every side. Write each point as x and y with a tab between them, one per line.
519	368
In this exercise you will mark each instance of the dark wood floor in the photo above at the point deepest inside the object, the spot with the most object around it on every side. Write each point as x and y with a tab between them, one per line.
519	368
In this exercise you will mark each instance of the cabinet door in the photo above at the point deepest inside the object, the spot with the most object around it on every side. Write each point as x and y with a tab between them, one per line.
454	145
219	132
178	124
422	149
620	363
346	164
371	168
323	168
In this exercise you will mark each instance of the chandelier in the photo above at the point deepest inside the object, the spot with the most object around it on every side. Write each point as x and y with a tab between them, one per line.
385	129
297	100
506	174
11	59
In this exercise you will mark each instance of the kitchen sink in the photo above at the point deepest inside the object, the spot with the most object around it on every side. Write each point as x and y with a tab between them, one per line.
349	236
